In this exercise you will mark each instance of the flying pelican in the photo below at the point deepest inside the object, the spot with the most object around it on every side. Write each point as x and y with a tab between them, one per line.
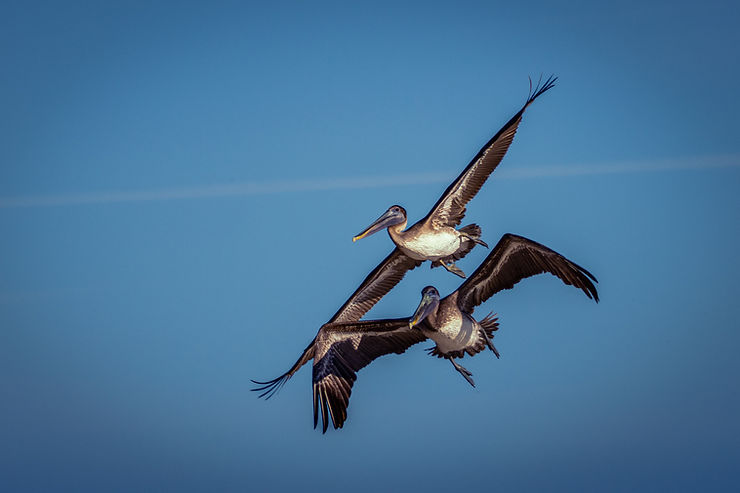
434	237
341	349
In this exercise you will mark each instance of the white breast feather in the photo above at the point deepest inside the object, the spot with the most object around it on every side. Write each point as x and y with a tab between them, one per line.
434	246
455	336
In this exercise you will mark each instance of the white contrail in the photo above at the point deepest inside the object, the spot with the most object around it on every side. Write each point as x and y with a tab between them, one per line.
695	163
315	185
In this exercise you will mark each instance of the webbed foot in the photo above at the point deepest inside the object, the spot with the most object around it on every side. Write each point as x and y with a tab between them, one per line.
463	371
451	267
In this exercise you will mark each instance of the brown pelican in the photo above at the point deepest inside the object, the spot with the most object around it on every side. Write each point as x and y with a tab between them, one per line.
434	237
341	349
449	321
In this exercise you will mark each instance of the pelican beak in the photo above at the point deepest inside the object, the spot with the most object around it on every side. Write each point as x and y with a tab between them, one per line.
425	308
387	219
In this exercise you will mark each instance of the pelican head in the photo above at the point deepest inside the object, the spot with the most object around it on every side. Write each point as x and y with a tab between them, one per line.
427	306
393	216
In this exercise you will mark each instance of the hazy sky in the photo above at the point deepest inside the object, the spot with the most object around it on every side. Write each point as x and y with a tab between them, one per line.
180	184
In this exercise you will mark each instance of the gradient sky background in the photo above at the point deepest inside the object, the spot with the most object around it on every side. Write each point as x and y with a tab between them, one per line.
178	192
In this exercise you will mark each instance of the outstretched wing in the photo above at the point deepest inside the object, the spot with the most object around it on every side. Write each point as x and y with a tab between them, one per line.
381	280
342	349
450	208
513	259
376	285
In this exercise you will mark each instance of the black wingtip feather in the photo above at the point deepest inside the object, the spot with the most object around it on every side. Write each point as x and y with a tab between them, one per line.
324	408
589	288
270	387
540	88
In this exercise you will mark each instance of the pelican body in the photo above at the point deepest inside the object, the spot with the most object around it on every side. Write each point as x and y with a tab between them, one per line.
454	331
440	244
436	237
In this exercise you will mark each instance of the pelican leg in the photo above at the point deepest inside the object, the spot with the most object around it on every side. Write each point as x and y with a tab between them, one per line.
489	343
473	239
464	372
451	267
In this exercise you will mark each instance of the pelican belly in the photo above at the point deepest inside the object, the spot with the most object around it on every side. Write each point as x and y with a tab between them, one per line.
455	334
432	245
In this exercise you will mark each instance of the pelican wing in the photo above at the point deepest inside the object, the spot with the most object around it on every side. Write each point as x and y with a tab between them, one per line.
450	209
376	285
513	259
342	349
381	280
270	387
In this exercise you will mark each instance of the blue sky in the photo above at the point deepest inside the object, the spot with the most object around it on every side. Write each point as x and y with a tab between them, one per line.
178	192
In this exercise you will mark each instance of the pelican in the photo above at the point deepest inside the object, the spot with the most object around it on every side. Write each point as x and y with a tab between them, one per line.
341	349
435	237
449	322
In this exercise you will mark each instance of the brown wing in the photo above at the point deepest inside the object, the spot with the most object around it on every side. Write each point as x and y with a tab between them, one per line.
381	280
450	208
342	350
513	259
376	285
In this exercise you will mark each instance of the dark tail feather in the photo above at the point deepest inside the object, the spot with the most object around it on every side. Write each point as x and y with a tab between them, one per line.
490	324
473	231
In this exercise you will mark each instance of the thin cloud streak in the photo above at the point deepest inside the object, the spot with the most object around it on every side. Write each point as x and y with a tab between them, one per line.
313	185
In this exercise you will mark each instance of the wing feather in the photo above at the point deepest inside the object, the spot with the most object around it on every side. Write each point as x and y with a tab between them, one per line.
270	387
513	259
343	349
376	285
450	208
